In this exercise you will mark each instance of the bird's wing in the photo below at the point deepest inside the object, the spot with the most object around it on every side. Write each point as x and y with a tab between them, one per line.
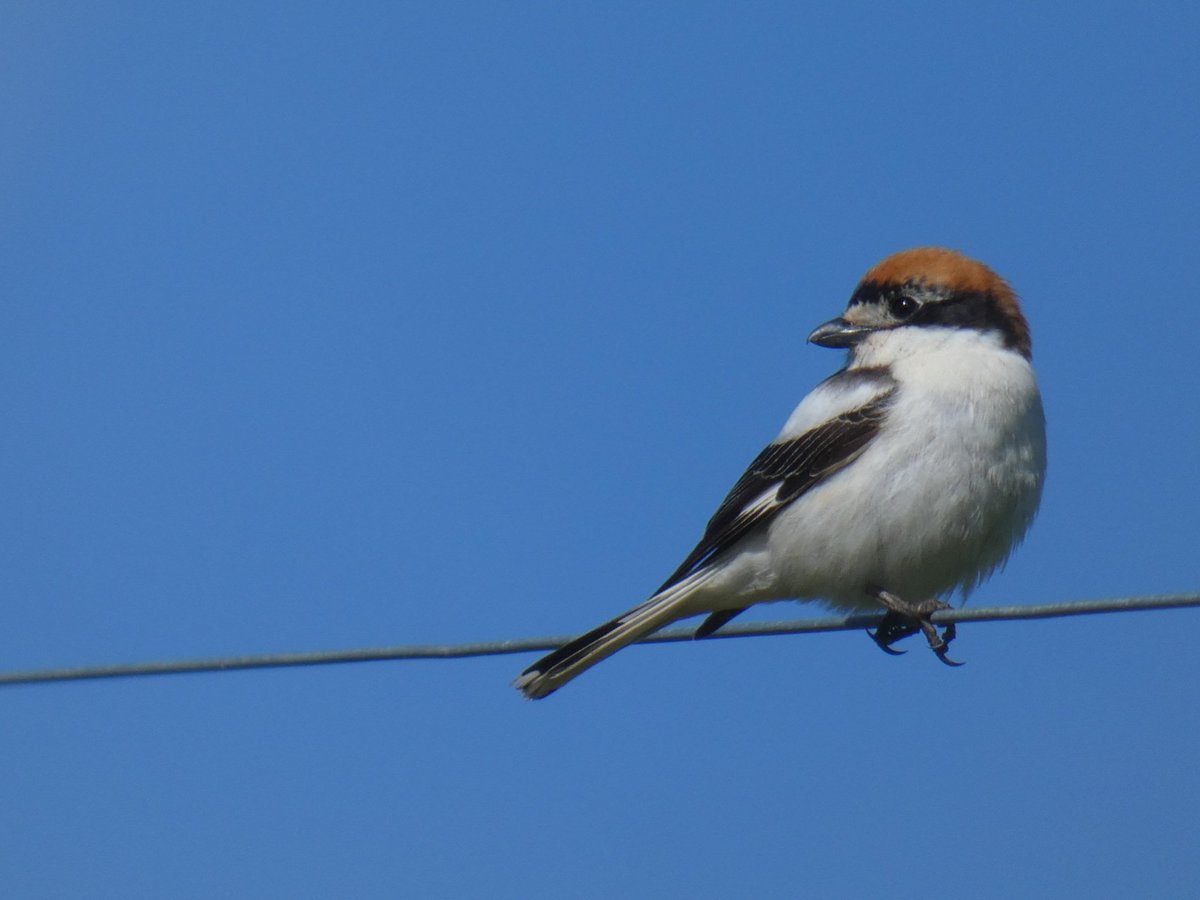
832	426
796	462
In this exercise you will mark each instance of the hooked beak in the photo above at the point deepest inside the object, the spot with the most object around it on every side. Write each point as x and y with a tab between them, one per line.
838	333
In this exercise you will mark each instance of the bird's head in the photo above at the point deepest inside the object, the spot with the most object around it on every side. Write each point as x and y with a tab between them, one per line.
928	288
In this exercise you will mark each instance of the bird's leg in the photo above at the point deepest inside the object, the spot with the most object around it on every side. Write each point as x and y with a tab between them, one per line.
904	619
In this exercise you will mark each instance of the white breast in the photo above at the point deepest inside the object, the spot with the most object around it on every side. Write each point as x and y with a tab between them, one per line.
941	496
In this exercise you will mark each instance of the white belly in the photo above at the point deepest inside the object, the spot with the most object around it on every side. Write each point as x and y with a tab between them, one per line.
937	502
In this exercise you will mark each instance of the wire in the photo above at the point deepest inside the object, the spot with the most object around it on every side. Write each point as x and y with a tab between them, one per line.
524	645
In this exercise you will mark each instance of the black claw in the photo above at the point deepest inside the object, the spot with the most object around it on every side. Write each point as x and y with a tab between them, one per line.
882	644
903	619
948	634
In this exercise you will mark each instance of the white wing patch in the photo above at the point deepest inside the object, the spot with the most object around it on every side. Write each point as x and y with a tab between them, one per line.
844	391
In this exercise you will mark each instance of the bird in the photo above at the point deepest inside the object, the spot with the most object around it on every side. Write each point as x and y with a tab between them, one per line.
909	474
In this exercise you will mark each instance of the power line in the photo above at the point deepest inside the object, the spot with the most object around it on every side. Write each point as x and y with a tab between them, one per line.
525	645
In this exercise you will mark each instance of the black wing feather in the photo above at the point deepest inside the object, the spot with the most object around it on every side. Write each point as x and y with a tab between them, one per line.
794	466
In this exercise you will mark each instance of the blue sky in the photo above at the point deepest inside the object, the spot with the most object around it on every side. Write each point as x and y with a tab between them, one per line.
442	322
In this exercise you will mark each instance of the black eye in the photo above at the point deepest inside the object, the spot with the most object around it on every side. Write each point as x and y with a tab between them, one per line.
901	306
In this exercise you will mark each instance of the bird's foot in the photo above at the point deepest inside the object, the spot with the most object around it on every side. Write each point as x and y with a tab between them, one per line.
904	619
